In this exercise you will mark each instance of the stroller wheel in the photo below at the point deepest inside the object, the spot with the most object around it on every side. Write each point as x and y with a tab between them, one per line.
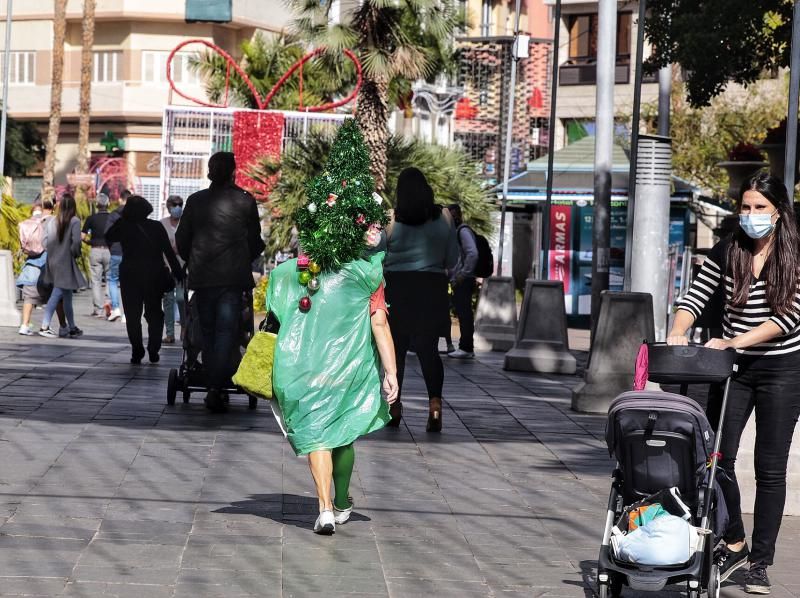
603	590
186	394
253	402
172	386
713	582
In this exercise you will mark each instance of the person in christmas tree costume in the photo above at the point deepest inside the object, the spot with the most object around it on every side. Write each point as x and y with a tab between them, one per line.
334	332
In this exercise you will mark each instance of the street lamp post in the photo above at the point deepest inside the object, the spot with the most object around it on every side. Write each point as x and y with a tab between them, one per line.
551	145
6	71
794	95
509	132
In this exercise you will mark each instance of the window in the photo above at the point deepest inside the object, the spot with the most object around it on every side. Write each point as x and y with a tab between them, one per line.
154	68
106	67
583	38
23	68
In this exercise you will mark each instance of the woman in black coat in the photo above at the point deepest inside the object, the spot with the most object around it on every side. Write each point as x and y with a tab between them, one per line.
143	274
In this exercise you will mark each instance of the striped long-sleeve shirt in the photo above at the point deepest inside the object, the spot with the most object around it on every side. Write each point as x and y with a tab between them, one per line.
738	320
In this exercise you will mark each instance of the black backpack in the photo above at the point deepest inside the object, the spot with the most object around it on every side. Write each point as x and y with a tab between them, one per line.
484	267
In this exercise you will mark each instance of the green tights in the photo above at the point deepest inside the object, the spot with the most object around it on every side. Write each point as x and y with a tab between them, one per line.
344	458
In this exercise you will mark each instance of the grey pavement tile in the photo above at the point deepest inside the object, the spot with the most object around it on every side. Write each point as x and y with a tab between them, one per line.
299	584
221	582
125	574
133	553
31	586
233	553
400	587
89	589
68	528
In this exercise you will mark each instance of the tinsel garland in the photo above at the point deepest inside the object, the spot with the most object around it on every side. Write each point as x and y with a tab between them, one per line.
342	204
255	135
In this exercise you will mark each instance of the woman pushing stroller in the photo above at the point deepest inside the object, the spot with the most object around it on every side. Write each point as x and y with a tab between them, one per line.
759	266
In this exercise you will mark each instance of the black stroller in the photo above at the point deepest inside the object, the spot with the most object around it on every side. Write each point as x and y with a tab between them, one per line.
190	375
663	440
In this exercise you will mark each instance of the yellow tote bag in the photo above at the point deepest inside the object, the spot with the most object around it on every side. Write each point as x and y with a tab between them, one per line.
254	375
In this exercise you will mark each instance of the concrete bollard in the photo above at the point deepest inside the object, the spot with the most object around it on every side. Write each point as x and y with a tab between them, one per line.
9	314
625	320
745	471
542	344
496	316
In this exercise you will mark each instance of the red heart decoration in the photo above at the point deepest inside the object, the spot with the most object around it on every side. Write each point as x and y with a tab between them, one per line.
263	103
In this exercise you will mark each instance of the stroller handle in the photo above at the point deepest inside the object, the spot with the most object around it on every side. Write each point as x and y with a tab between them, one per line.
689	364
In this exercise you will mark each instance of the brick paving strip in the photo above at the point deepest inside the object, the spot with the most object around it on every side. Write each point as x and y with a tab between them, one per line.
107	491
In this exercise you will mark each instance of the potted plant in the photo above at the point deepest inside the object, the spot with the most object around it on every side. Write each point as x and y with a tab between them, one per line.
744	160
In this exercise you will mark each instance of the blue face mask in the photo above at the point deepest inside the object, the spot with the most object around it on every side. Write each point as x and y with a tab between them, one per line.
757	226
176	212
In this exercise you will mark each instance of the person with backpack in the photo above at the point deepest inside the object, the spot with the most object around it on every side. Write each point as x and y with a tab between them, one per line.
462	281
31	236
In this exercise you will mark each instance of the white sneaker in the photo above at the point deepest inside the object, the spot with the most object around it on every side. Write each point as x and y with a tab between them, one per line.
325	524
115	315
459	354
342	517
48	333
25	330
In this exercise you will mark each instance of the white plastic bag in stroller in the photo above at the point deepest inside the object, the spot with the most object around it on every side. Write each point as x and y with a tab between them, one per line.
666	540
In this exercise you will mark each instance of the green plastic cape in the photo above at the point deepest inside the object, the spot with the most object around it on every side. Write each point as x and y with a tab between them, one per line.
326	376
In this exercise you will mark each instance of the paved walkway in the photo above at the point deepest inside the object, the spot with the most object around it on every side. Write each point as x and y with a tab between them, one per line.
107	491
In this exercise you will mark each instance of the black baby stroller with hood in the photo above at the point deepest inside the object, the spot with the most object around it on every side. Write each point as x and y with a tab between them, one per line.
664	444
190	376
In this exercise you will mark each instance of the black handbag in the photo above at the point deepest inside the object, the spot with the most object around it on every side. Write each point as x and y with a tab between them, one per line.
44	284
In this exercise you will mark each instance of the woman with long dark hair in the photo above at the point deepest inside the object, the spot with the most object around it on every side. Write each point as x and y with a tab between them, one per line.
422	246
759	267
62	240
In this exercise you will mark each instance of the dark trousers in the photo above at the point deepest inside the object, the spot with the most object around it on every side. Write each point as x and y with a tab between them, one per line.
768	385
138	297
220	311
427	350
462	305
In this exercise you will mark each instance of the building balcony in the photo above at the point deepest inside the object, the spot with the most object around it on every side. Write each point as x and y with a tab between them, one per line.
585	73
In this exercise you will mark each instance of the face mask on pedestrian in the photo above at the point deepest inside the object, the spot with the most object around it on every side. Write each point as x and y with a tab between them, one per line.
757	226
37	213
176	212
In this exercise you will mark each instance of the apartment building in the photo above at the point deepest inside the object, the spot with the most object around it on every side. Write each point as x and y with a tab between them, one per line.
578	72
133	39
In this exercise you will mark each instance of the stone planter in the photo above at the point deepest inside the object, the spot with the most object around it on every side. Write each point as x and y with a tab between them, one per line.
776	154
738	172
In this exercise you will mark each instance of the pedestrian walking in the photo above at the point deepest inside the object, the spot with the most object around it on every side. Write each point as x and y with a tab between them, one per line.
144	278
94	233
62	241
31	236
334	333
462	281
219	235
421	247
115	249
758	268
173	297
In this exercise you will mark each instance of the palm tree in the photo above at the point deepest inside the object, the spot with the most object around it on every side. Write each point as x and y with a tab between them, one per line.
59	35
86	85
398	43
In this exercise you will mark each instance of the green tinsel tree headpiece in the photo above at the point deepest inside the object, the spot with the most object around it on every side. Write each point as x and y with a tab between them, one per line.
343	208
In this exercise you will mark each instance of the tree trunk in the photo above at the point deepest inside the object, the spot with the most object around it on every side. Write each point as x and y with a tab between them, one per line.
59	35
86	85
372	115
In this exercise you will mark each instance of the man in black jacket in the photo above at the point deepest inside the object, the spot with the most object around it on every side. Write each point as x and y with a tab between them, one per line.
219	236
